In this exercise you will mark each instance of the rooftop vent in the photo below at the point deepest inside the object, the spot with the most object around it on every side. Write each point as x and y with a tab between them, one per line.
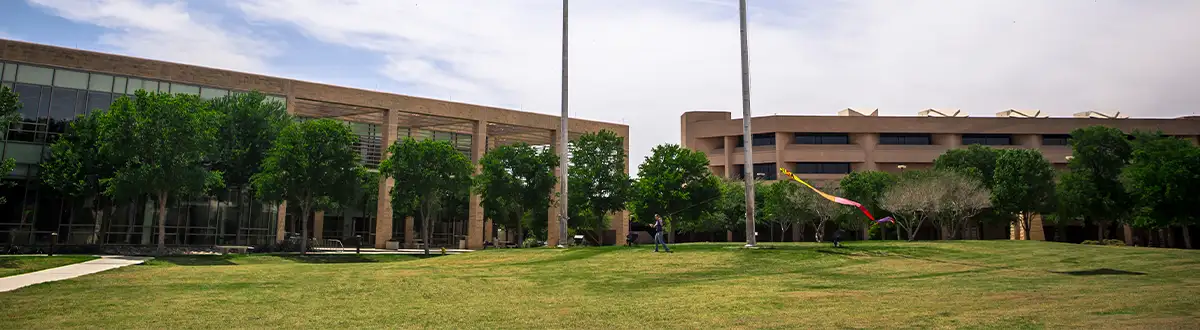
941	113
848	112
1101	115
1014	113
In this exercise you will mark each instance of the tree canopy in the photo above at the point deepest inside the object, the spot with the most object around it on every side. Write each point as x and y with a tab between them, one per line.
10	104
310	165
160	145
599	184
1163	178
428	175
75	169
1023	184
1092	189
674	182
976	160
514	179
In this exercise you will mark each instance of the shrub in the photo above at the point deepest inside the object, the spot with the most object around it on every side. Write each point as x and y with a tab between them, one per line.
1114	242
530	242
1090	242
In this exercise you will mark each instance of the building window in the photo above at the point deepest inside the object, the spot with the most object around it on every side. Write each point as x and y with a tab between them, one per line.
987	139
1056	139
822	138
763	139
906	139
765	171
35	75
823	168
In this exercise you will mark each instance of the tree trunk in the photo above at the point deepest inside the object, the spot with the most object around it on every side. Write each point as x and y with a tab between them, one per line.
819	235
1100	230
866	233
1162	239
1187	238
1170	237
1027	222
162	222
304	211
425	231
520	234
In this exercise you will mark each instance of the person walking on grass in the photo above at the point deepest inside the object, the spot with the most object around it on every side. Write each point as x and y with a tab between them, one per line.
658	234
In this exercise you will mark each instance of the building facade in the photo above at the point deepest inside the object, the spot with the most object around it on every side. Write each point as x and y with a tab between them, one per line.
56	84
823	149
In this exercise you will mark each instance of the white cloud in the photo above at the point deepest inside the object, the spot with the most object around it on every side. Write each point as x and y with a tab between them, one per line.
645	62
166	30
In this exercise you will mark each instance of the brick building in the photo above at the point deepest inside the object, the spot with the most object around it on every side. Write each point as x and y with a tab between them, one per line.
56	84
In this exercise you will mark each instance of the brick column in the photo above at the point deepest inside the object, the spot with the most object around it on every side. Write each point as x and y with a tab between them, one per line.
487	230
410	233
383	214
475	210
730	143
868	142
620	219
782	140
318	224
281	222
552	213
1128	235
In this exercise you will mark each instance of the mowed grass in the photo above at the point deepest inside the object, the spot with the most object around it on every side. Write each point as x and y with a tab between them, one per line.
882	285
15	265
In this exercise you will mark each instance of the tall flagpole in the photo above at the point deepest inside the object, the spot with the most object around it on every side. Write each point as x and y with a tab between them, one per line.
563	137
747	140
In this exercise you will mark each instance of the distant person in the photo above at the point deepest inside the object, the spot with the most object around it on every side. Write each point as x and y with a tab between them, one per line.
658	234
837	238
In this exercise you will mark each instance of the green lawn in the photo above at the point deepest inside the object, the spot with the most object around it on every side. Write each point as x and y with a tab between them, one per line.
10	266
968	284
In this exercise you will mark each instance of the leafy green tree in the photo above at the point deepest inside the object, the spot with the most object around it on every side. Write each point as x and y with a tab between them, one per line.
10	104
247	127
867	187
981	159
428	176
1023	184
1163	177
599	184
674	182
310	165
160	145
75	168
781	205
1093	189
513	180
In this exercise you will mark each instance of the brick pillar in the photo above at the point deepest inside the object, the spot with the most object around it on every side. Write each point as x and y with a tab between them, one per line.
552	213
1129	235
730	142
410	233
782	140
383	214
487	230
868	142
318	224
1036	230
475	210
281	222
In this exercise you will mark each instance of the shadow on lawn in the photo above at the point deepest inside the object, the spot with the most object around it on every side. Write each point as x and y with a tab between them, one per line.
230	260
1100	271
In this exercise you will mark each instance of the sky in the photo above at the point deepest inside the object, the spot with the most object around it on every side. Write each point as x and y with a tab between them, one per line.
644	62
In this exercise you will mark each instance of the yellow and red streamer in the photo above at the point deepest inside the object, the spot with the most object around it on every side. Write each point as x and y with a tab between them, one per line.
833	198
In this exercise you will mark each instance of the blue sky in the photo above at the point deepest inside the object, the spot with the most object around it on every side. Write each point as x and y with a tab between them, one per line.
643	63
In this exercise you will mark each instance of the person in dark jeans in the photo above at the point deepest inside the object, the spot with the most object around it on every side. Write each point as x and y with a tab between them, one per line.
837	238
658	234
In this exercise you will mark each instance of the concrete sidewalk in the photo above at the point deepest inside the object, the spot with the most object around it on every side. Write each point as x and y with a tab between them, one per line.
69	271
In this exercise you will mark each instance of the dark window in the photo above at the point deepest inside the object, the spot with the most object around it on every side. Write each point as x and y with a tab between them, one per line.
823	168
62	109
1056	139
987	139
905	139
29	96
97	100
763	139
766	170
741	142
822	138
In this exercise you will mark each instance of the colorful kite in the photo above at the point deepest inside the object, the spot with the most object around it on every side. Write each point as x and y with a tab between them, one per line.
832	198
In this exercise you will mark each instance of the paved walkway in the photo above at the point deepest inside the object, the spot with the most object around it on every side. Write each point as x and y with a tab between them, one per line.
69	271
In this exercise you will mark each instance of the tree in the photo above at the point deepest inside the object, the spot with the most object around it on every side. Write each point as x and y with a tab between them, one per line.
780	206
513	180
10	104
75	168
961	197
160	144
822	210
1023	184
981	159
248	125
599	184
310	165
913	200
867	188
674	182
428	175
1093	187
729	211
1163	177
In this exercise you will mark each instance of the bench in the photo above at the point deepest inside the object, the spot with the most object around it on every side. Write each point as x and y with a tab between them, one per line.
579	239
225	249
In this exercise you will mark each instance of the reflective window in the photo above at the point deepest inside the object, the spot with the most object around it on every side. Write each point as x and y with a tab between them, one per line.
100	83
29	96
822	138
1056	139
62	108
24	153
34	75
134	85
906	138
119	84
767	171
823	168
149	86
70	79
97	101
10	72
212	93
185	89
164	87
987	139
763	139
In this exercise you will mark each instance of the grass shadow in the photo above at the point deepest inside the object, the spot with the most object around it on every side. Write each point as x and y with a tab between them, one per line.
570	255
207	260
349	258
1100	271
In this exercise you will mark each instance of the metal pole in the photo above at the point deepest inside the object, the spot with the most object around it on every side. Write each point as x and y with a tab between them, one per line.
747	140
563	137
